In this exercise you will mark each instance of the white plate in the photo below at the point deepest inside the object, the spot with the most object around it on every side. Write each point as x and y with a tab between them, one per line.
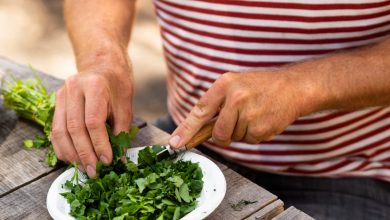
213	192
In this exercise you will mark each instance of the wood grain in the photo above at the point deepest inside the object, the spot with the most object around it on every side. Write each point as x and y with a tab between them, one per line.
293	213
239	188
28	202
19	165
268	212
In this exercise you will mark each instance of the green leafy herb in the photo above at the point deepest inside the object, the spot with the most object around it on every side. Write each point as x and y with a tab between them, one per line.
31	101
152	189
241	204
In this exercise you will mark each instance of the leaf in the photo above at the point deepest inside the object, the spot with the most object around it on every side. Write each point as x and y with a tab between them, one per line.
141	184
184	193
176	214
28	143
147	156
176	180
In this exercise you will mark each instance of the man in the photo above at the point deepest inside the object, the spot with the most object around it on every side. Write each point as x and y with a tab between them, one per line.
300	88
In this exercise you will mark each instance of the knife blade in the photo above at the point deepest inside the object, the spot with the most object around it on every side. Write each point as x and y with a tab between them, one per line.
201	136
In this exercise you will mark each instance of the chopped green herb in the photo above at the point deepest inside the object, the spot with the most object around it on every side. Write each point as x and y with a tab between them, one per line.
241	204
151	190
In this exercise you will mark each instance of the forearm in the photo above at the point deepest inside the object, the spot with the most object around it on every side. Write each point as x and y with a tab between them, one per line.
99	30
346	80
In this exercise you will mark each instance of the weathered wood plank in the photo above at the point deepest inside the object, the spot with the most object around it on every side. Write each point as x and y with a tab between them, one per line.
239	188
293	213
24	72
19	165
268	212
28	202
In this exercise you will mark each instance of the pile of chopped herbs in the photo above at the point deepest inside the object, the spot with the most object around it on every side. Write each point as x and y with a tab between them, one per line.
153	189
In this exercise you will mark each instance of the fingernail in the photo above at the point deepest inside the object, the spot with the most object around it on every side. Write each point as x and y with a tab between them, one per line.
104	159
174	141
91	171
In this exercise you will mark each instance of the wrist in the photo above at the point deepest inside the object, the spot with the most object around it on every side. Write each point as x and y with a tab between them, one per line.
310	92
106	56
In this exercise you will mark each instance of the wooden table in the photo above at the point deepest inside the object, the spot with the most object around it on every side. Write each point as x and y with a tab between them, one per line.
25	178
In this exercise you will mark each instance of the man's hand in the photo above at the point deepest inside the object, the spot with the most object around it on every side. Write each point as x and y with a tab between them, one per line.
83	105
252	107
102	90
256	106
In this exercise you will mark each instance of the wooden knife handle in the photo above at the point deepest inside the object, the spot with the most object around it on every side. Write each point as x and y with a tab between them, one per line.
202	135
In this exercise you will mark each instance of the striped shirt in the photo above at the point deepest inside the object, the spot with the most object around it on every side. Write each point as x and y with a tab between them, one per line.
204	39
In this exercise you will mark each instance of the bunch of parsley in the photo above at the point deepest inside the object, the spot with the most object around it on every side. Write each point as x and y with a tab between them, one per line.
31	101
151	190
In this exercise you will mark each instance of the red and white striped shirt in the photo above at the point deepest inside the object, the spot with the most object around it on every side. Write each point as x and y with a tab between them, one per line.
204	39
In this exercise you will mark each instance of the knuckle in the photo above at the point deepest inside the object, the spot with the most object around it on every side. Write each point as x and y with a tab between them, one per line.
92	122
199	112
225	79
186	126
250	116
220	135
257	131
239	97
74	126
84	155
72	159
97	82
57	132
71	82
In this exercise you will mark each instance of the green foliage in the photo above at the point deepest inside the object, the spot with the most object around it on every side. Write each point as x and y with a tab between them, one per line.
153	189
31	101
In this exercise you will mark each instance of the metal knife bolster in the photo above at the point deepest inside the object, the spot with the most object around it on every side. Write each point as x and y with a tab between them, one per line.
170	151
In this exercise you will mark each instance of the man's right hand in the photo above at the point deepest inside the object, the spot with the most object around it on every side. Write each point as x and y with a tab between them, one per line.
83	105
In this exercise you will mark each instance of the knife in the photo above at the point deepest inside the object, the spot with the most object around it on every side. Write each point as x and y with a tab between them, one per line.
201	136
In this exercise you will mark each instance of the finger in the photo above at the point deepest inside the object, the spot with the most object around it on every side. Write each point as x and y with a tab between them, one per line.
255	133
225	124
121	118
96	110
202	112
62	143
240	129
75	112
